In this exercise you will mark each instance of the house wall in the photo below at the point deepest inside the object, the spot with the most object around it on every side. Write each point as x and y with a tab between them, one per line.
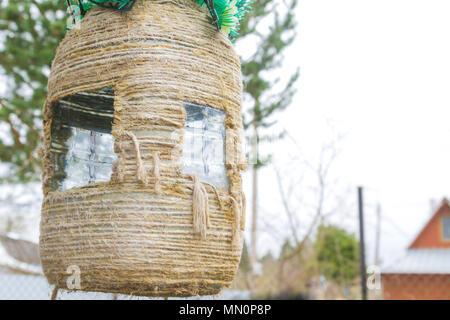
431	234
416	286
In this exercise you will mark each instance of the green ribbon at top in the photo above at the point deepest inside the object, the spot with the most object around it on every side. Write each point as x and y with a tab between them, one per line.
226	14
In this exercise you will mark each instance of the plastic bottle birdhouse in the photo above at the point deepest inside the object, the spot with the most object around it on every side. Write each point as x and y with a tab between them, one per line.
143	154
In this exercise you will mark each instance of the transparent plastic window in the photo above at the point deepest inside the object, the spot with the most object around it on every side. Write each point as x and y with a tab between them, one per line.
204	145
83	147
82	144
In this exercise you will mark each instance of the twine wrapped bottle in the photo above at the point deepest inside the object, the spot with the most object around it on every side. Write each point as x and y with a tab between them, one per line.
145	223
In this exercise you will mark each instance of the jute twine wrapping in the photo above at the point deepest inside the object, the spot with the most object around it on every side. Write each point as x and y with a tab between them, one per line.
151	230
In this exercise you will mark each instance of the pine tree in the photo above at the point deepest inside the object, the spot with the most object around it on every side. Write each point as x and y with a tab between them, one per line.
278	17
30	31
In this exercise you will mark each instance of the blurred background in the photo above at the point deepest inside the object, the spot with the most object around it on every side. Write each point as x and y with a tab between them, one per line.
339	94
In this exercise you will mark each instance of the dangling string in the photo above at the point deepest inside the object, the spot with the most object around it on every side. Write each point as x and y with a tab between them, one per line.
244	205
219	200
141	171
236	222
55	292
208	222
156	172
200	208
120	163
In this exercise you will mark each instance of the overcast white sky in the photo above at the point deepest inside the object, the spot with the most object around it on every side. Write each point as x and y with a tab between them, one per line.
380	70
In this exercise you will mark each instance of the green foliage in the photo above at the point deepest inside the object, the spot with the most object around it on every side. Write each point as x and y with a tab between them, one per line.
337	253
29	33
267	57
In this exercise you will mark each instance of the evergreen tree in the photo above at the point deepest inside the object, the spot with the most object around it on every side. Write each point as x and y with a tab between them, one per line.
337	254
272	24
30	31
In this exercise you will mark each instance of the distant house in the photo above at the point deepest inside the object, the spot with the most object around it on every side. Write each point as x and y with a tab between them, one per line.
424	271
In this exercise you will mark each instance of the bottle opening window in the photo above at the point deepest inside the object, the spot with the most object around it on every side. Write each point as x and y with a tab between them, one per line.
204	145
81	140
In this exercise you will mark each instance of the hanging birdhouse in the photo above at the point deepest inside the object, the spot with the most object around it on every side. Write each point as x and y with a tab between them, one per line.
143	152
